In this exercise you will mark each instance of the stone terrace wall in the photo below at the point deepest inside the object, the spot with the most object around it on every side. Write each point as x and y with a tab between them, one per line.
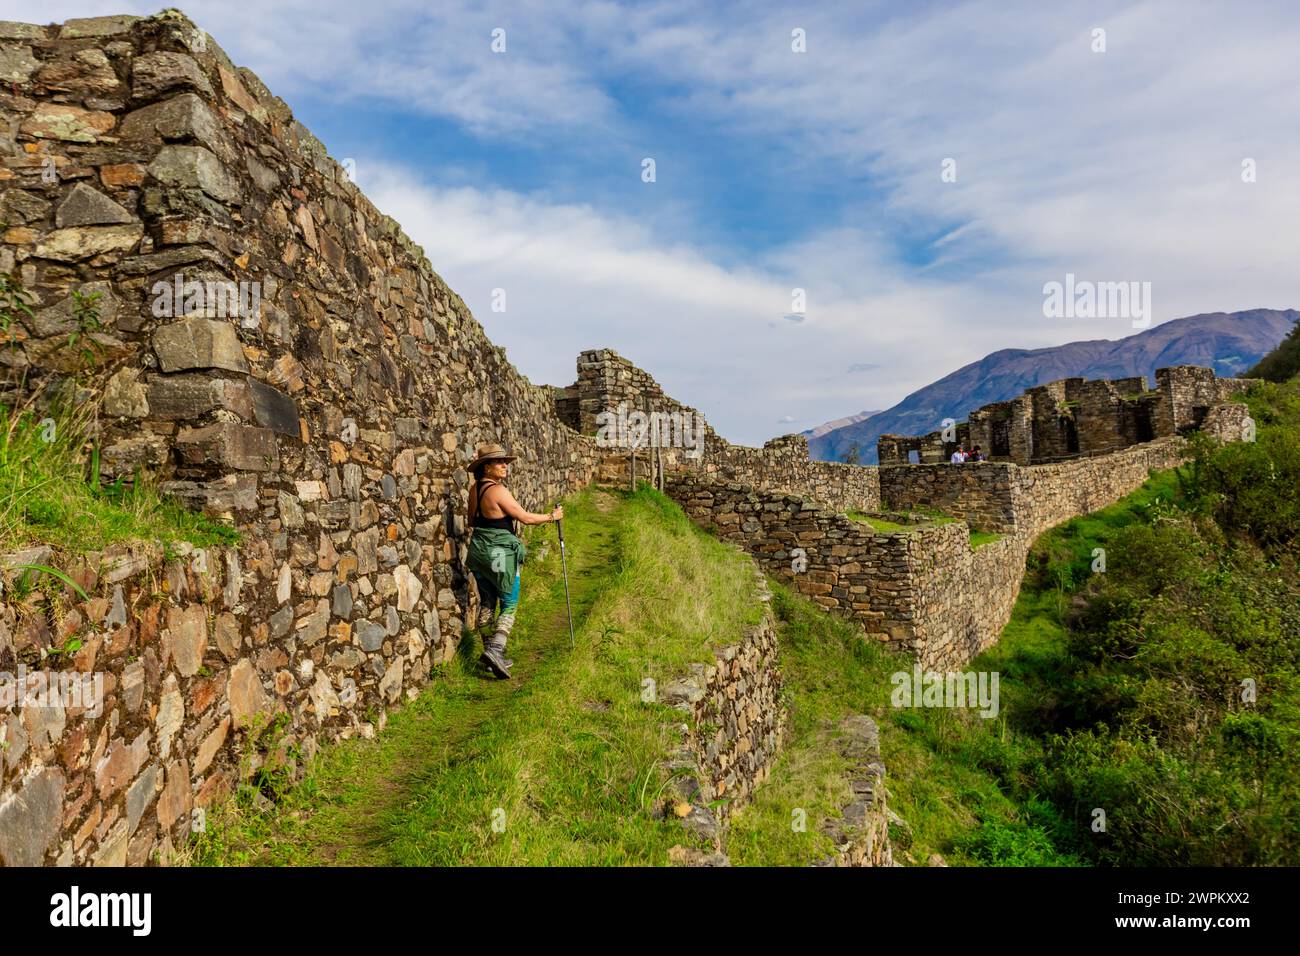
1026	500
125	777
332	426
861	832
851	568
1046	495
925	590
737	724
981	493
607	381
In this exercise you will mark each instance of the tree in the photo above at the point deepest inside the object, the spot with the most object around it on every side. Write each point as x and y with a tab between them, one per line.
1281	363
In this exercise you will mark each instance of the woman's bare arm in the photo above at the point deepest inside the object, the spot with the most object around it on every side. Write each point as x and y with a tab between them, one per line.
506	502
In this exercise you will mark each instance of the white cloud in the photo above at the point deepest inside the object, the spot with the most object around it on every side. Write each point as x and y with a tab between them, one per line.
1116	166
576	278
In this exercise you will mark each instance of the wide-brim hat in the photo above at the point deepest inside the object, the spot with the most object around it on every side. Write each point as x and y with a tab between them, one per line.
490	452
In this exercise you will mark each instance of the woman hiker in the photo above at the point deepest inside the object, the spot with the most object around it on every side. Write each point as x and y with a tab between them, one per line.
495	553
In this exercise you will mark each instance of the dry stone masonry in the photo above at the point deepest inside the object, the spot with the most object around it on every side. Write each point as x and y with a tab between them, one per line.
607	382
736	725
925	588
861	832
279	354
1073	417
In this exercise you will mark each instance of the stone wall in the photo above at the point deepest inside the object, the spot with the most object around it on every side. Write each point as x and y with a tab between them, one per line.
1009	498
607	382
122	774
861	832
1074	417
278	353
331	425
925	589
737	723
1188	392
845	565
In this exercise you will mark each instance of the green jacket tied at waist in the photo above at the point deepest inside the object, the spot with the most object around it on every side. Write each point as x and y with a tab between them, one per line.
497	554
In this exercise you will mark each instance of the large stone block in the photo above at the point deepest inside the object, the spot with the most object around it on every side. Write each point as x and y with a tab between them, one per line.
162	70
274	409
89	207
221	495
17	64
82	27
195	167
83	242
189	396
71	124
195	342
242	447
181	117
30	819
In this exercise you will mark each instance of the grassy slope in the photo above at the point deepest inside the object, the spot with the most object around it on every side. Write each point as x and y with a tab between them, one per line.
566	750
47	498
945	767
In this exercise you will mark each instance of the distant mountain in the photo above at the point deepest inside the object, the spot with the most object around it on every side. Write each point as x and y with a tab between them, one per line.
821	430
1228	342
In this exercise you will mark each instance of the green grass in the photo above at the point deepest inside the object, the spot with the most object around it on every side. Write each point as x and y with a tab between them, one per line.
566	754
938	780
50	492
980	538
881	524
929	518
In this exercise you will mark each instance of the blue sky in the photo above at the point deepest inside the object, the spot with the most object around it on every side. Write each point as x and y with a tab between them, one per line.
818	170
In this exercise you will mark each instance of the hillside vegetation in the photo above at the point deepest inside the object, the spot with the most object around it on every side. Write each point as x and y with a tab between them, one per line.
1283	362
1163	693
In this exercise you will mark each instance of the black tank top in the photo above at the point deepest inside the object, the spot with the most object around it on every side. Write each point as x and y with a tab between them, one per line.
505	522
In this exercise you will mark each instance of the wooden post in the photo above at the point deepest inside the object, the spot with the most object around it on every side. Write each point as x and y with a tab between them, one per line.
659	462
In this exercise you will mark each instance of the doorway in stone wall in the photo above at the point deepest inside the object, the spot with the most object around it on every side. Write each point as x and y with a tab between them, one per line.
1143	427
1070	434
1000	439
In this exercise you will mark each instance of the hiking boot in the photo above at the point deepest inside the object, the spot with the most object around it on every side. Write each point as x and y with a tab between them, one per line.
496	663
494	647
485	615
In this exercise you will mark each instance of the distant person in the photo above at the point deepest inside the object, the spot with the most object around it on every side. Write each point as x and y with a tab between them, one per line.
976	454
958	455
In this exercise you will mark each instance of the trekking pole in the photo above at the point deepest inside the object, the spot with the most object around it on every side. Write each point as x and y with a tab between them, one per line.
564	566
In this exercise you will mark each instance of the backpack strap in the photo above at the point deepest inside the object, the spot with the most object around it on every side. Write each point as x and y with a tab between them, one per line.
483	486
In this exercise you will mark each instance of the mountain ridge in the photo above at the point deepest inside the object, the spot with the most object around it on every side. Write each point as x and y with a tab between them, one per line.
1228	342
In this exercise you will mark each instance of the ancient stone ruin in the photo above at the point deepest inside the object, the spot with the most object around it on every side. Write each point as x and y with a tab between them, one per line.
1074	417
281	355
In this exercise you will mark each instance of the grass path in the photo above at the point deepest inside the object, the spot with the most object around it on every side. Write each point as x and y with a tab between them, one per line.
353	806
559	765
